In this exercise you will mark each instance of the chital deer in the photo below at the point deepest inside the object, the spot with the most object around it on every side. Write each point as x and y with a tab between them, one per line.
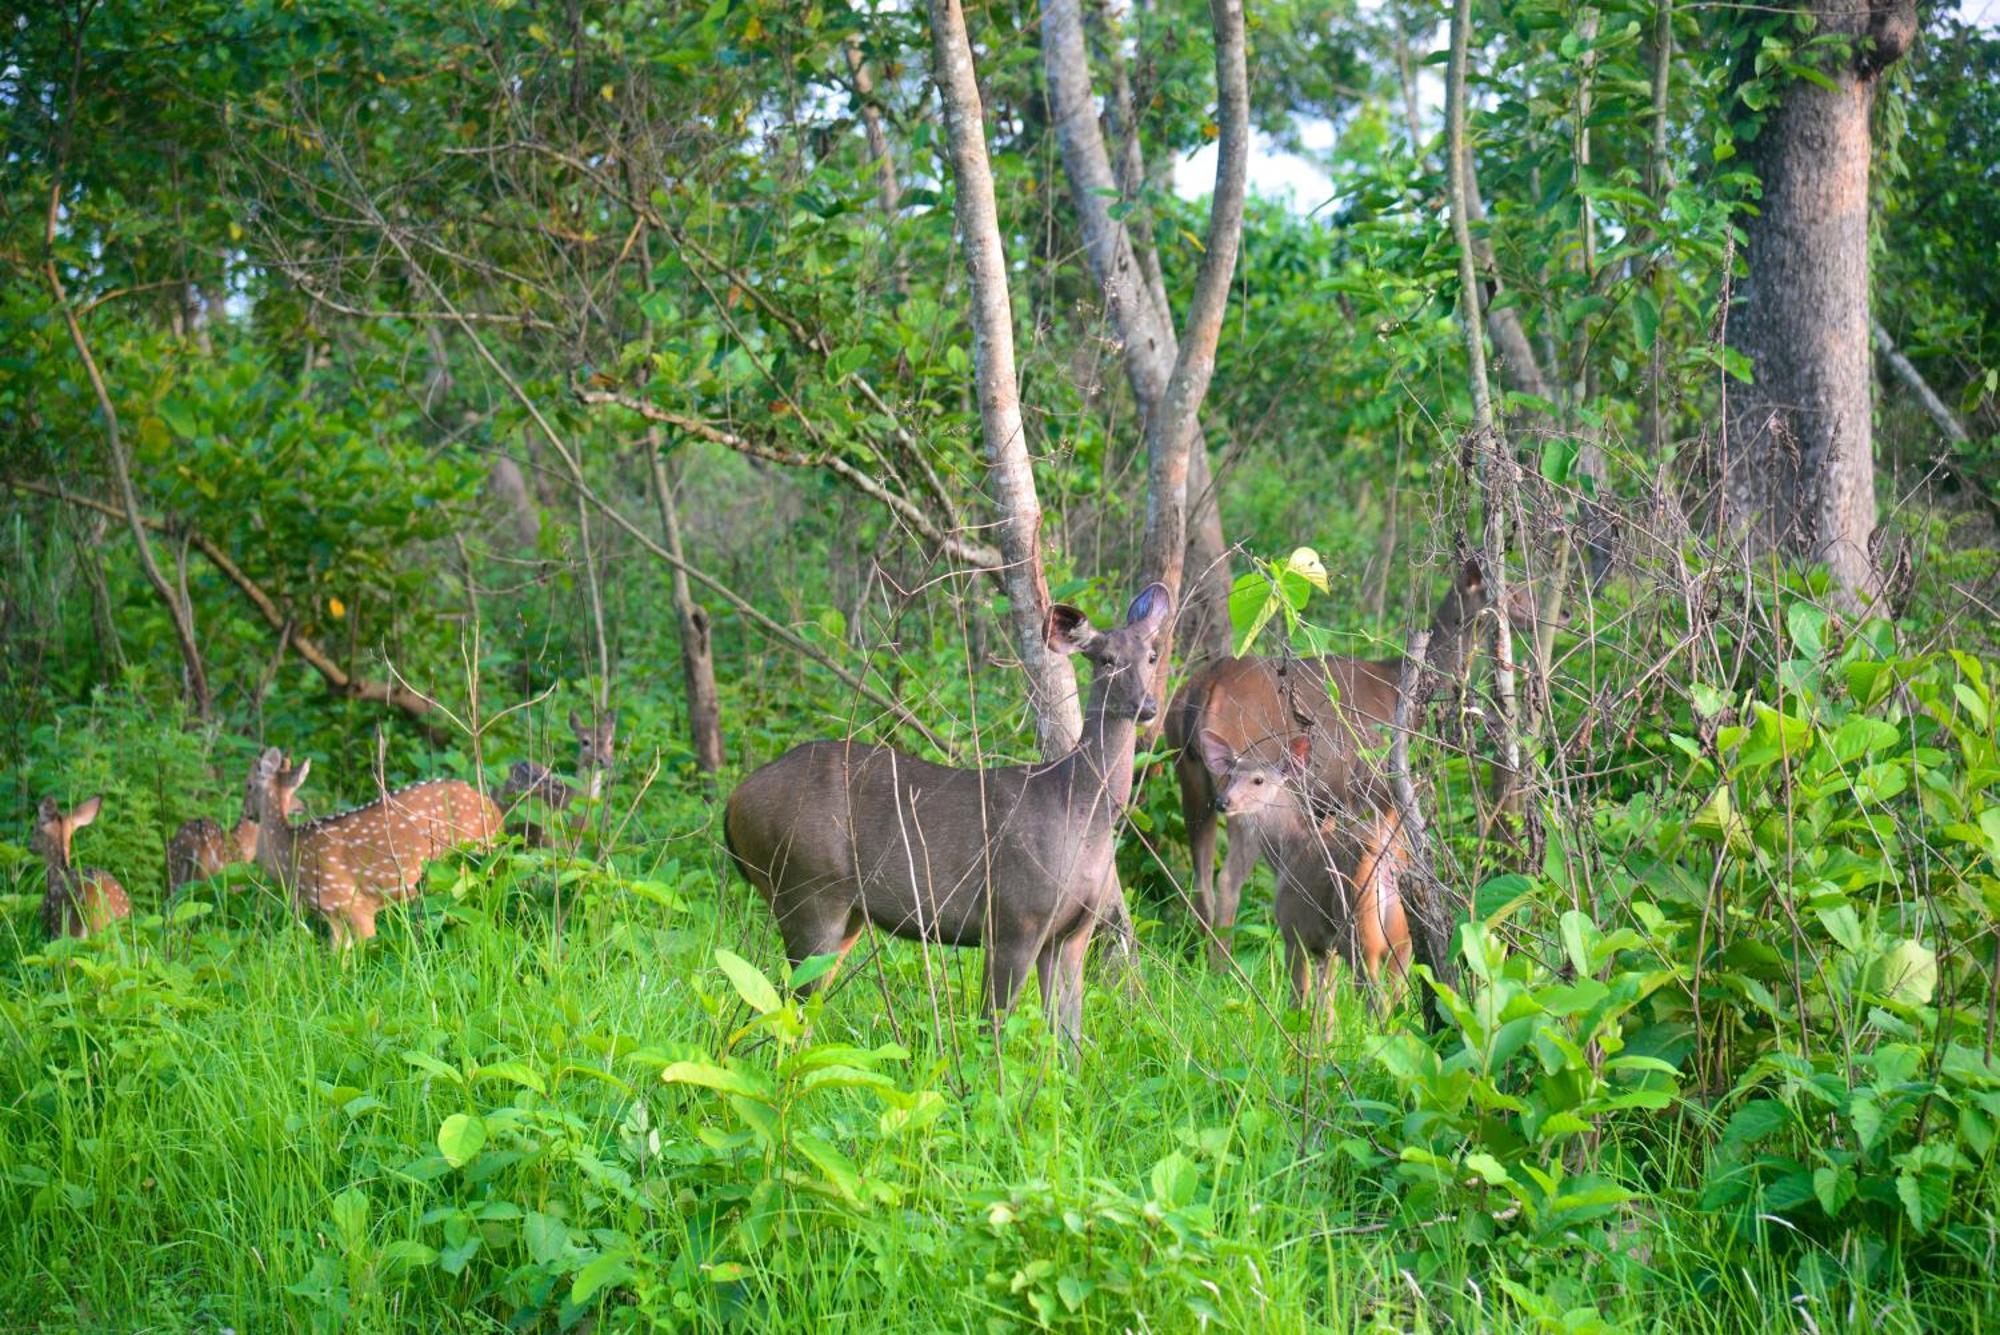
348	866
1018	858
596	750
1338	889
1255	704
201	848
79	901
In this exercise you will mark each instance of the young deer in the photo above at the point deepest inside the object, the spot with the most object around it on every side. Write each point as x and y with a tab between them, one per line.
201	848
1018	858
595	749
1337	874
79	901
348	866
1255	704
525	780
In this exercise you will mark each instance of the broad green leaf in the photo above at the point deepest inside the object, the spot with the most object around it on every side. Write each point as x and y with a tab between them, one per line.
460	1138
837	1167
749	982
519	1073
1175	1179
600	1274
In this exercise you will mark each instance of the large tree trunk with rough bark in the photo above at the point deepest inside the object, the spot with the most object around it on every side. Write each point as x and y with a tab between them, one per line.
1798	464
1009	472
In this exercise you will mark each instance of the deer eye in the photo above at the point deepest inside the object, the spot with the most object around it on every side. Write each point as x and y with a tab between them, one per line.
1258	779
1153	657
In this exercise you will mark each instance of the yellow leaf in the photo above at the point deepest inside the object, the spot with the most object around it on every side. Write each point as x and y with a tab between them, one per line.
1210	130
337	608
605	92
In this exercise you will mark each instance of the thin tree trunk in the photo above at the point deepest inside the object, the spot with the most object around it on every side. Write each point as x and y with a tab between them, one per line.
1913	380
1011	480
1799	475
1659	180
888	190
603	692
1495	466
1171	430
1137	306
697	655
182	615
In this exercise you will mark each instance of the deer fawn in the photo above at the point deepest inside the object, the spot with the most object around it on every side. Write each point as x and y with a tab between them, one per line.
79	901
1255	704
840	834
595	750
525	780
1337	874
201	848
348	866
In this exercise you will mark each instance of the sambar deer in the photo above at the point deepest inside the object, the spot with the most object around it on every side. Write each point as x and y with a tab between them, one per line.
347	867
80	901
1018	858
1256	704
1338	887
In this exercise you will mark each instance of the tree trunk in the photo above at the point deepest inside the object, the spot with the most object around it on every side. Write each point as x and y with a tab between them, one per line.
1169	377
1496	465
1798	464
697	656
1010	475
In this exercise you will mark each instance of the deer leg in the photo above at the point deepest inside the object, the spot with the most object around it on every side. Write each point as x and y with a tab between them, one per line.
362	916
850	933
1241	860
1062	999
1198	811
1007	965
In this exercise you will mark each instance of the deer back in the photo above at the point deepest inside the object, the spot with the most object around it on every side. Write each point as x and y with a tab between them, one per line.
380	850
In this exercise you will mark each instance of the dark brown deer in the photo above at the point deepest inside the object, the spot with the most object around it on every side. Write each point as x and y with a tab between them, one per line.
1256	704
840	834
347	867
201	848
1338	873
80	901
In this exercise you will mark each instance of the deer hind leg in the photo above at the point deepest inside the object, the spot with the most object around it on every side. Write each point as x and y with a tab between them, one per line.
1383	932
1008	960
818	926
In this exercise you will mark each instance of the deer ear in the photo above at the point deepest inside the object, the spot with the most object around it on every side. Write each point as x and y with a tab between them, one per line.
294	779
575	723
1215	752
85	813
610	720
1299	755
48	813
1471	578
1067	630
1150	610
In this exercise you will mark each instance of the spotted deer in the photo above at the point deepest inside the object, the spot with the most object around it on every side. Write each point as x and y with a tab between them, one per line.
1338	890
201	848
80	901
1018	858
1256	704
347	867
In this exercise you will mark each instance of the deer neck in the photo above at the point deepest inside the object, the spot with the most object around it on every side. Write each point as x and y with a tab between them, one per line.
244	837
1451	644
594	787
277	843
1103	756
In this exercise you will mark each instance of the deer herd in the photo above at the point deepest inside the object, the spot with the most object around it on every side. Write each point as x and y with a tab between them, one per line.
841	835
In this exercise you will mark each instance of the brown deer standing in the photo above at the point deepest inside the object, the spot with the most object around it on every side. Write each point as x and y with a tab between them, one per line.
201	848
1337	874
1018	858
80	901
1255	704
347	867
